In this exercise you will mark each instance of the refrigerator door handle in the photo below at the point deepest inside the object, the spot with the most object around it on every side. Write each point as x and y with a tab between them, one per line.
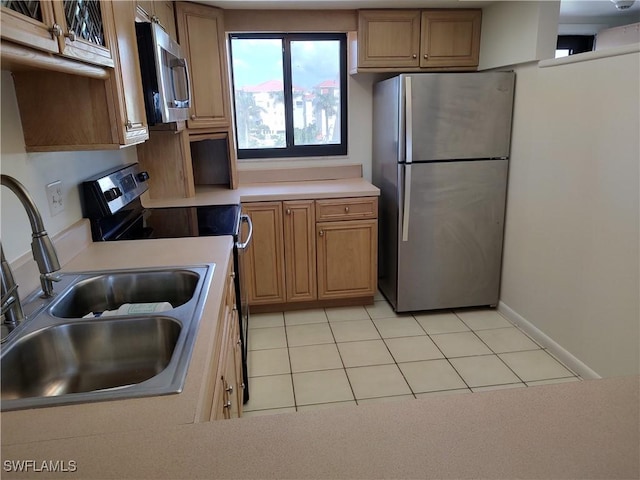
408	118
406	204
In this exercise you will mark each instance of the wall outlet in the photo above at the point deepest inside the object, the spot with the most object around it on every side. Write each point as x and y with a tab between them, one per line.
54	198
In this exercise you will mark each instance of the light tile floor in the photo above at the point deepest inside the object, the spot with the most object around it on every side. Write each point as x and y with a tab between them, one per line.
337	357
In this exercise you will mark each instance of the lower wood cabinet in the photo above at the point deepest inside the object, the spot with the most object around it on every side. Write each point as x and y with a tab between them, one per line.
225	387
307	251
346	258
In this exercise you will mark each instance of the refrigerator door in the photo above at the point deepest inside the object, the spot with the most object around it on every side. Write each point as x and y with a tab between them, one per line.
457	116
451	252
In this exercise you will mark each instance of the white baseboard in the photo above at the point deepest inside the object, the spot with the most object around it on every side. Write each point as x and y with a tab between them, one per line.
547	342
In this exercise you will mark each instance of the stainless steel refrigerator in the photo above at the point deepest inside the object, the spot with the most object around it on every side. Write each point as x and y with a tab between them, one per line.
440	158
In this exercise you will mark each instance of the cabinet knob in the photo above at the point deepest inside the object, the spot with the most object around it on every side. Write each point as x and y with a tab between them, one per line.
426	55
193	117
232	274
129	124
321	233
414	56
229	389
288	211
227	404
55	30
346	209
71	36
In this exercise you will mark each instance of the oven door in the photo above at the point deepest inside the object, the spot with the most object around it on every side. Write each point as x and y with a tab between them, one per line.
242	296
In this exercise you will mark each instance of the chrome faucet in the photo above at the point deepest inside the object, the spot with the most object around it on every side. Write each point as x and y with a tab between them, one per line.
42	249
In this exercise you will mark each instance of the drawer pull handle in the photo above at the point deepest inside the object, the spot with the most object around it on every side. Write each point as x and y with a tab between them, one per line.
346	209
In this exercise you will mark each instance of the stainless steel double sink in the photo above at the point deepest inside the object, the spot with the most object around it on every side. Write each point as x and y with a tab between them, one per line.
56	357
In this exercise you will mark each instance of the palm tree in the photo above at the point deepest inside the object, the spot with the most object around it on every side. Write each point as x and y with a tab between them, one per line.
326	102
248	117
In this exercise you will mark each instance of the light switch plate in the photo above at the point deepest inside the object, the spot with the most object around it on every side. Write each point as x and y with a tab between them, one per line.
54	198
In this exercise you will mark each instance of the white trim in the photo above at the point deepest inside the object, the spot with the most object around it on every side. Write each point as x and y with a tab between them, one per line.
586	56
547	342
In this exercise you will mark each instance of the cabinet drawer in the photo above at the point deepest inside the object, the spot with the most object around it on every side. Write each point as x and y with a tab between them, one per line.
347	208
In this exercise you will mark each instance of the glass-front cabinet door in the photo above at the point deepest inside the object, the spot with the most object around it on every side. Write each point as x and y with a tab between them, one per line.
87	30
29	22
80	29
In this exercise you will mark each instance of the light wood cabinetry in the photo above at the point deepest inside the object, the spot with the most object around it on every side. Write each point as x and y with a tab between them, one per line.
81	31
264	258
347	252
309	251
416	40
388	38
225	386
160	12
450	38
61	111
201	35
299	250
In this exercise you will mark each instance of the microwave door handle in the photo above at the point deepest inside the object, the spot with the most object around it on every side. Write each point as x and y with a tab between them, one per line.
181	63
245	244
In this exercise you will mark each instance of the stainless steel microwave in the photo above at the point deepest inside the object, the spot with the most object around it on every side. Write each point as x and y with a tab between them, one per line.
165	75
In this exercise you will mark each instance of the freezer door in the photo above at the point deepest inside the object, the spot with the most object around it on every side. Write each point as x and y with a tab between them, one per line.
450	246
458	116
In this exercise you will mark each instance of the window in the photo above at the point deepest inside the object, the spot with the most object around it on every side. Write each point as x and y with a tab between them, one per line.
290	94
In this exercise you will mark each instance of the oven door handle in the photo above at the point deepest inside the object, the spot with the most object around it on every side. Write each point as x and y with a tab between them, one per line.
245	244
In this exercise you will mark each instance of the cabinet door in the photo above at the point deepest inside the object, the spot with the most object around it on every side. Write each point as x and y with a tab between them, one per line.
450	38
300	250
166	18
87	30
347	258
388	38
29	23
264	258
201	35
126	77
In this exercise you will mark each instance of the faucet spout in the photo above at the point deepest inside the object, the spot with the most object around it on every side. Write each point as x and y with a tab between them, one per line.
42	248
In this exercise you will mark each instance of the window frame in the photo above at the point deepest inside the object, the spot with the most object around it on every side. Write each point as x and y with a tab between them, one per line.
292	150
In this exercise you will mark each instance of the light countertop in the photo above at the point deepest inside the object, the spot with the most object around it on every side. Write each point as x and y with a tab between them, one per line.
574	430
260	192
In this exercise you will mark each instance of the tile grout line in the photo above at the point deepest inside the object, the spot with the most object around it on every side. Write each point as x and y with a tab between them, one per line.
293	387
344	367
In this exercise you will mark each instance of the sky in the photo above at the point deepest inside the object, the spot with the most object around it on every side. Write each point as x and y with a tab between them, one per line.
258	60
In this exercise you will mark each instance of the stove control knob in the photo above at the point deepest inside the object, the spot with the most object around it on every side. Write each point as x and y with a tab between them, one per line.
112	194
143	176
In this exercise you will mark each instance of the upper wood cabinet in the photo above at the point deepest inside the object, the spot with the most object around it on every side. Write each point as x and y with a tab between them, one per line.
450	38
160	12
201	36
61	111
79	30
388	38
416	40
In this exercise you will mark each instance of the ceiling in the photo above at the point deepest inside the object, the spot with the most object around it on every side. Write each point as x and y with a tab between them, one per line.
576	16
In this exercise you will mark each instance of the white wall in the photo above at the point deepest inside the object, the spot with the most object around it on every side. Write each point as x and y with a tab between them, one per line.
518	32
35	171
359	133
571	261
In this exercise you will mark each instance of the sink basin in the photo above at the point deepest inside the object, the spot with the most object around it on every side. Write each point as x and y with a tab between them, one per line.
56	357
85	357
110	290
